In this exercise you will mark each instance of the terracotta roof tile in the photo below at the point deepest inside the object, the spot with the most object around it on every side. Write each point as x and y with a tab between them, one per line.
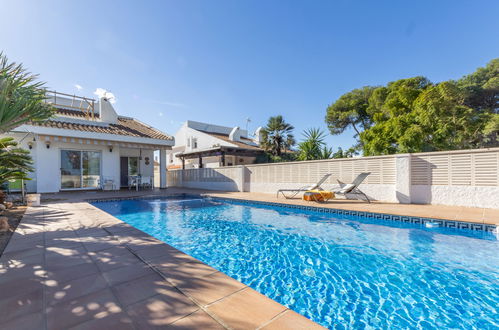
125	126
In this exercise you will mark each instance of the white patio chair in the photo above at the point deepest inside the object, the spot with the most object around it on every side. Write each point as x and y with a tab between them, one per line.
133	182
107	183
146	182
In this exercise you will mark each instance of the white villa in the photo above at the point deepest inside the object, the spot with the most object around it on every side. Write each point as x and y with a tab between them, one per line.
87	144
199	145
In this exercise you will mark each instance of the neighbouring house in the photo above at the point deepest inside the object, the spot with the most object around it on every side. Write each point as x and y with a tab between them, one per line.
200	145
87	143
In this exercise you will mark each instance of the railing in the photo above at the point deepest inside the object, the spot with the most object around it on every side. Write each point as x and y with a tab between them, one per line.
478	167
73	102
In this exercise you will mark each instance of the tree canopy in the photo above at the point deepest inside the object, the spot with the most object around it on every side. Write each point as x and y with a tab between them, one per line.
414	114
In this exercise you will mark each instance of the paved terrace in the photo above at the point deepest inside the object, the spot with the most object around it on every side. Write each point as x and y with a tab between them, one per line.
70	265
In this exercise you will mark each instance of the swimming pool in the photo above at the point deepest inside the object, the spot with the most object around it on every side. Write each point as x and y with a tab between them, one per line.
341	271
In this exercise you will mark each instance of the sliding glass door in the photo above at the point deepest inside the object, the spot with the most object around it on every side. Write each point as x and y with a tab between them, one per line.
70	169
80	169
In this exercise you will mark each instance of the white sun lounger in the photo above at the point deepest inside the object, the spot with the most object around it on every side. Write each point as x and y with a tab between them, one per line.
353	188
294	192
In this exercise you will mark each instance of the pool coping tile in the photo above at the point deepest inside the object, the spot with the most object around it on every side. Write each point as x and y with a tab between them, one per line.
485	224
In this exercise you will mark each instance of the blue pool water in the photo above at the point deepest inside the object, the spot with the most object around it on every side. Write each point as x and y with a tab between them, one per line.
340	271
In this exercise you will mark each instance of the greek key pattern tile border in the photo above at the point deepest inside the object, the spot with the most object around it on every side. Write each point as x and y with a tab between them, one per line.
380	216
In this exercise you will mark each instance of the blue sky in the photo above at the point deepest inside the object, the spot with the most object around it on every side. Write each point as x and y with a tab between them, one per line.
224	61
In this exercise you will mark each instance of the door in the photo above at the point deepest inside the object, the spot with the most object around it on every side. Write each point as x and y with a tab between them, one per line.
124	171
128	166
80	169
90	161
70	169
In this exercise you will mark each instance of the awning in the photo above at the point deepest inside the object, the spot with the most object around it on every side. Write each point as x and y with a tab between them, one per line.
221	151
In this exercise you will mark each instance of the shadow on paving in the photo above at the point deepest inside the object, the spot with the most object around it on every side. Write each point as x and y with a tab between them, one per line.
62	271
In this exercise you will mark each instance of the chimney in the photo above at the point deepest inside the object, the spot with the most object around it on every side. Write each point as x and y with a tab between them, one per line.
258	135
235	134
106	111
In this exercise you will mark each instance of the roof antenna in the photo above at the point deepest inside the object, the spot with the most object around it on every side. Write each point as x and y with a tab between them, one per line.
248	120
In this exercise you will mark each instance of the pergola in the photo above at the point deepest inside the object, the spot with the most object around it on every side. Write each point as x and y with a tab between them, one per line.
220	151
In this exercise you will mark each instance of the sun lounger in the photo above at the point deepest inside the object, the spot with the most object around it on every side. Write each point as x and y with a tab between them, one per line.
353	188
290	193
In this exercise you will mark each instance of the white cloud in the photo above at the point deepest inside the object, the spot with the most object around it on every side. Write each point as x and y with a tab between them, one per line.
78	87
101	92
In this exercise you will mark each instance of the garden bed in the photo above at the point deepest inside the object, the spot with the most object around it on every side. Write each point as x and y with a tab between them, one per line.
14	215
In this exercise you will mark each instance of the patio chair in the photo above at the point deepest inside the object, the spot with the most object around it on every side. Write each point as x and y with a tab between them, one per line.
133	182
107	183
353	188
146	182
294	192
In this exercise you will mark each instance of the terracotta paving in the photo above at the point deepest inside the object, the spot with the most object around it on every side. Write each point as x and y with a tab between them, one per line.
70	265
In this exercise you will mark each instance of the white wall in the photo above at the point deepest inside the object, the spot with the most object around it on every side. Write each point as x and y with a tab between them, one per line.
111	164
48	163
204	140
471	196
462	178
219	186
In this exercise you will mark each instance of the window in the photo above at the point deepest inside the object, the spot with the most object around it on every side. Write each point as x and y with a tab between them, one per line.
80	169
194	143
133	165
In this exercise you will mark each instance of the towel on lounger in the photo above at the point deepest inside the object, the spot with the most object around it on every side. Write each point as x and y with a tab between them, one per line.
318	195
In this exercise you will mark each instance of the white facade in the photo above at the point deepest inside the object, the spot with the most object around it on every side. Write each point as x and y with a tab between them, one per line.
48	144
196	136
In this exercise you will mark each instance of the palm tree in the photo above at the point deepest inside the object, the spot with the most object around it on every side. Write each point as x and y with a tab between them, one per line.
21	100
313	145
277	136
21	97
326	153
15	163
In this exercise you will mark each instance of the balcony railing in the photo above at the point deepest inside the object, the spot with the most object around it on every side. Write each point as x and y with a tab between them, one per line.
72	102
